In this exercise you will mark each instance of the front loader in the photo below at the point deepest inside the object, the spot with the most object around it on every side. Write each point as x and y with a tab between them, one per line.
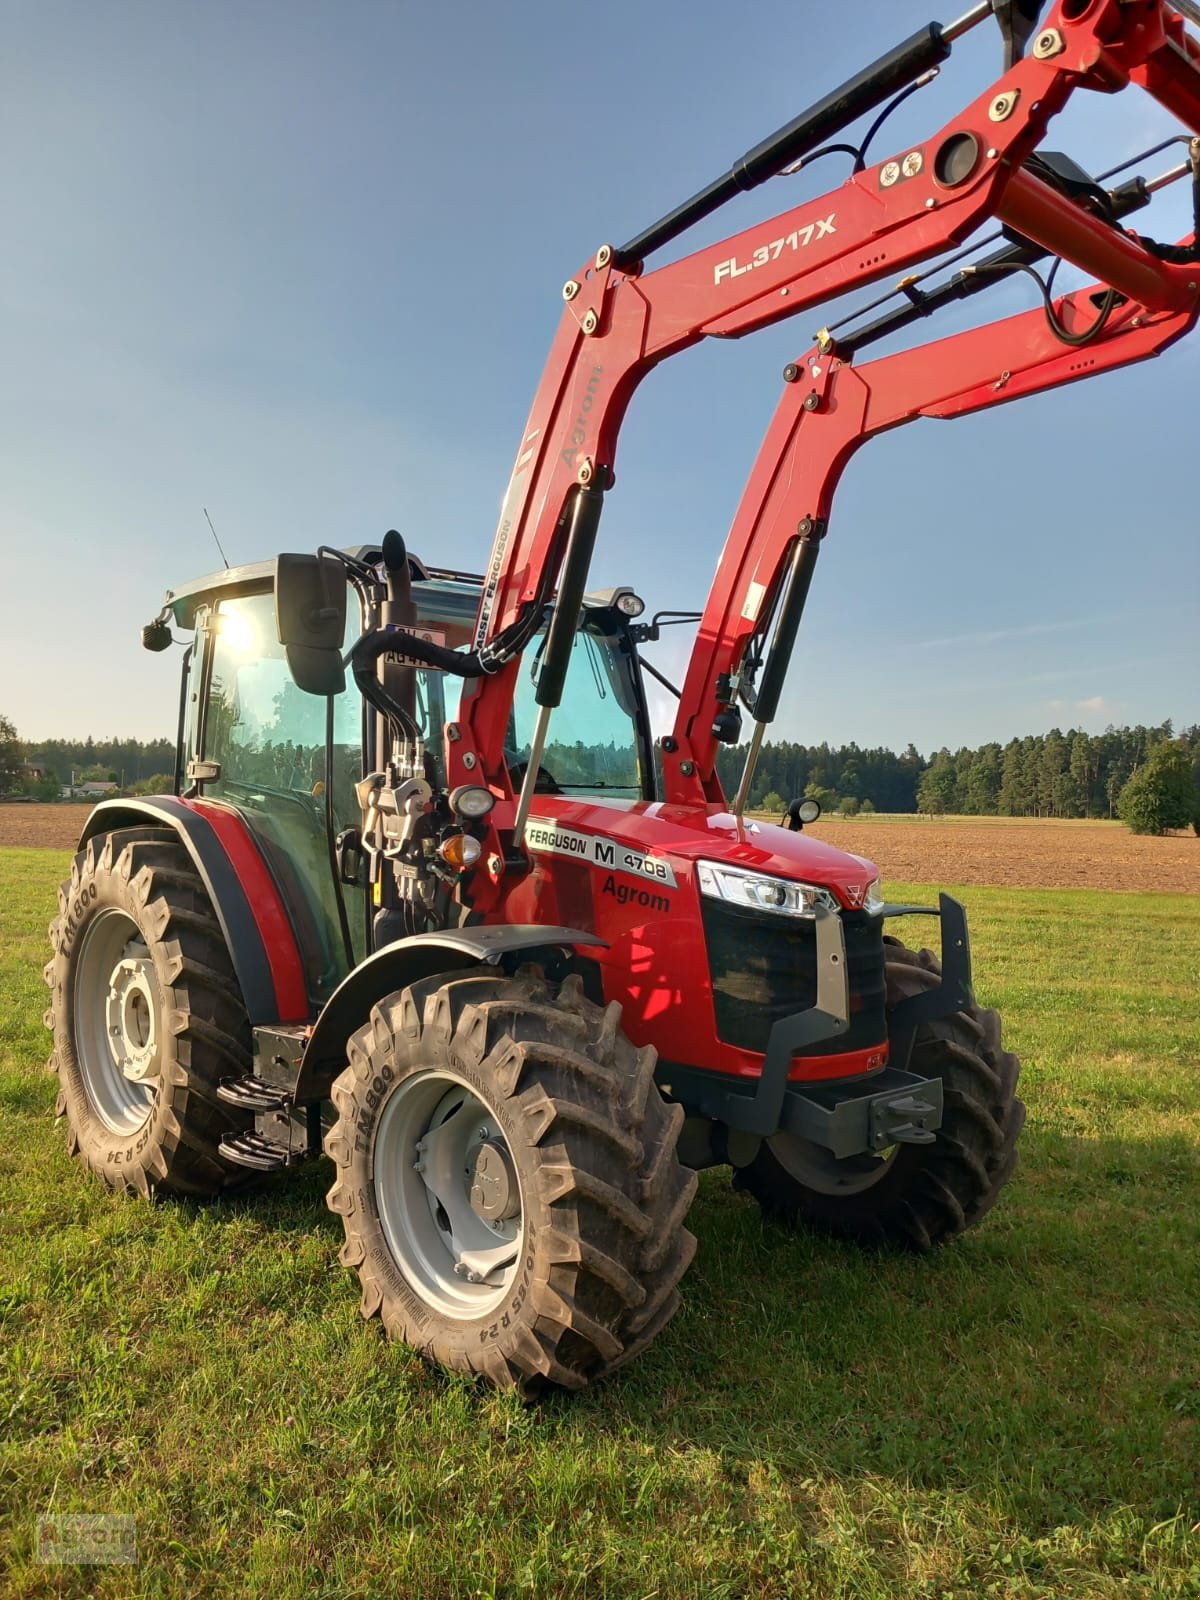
429	897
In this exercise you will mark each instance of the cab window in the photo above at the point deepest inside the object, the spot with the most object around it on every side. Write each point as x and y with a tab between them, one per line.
593	747
268	738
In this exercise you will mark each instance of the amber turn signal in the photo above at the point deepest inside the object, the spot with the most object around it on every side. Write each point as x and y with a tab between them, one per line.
460	851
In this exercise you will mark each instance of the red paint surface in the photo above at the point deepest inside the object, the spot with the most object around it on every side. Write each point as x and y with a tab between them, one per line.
656	963
268	910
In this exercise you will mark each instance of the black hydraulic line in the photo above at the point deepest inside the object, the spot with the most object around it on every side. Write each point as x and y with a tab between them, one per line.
915	278
818	155
1143	155
462	663
796	585
960	287
894	70
376	694
860	161
564	622
1129	197
1056	327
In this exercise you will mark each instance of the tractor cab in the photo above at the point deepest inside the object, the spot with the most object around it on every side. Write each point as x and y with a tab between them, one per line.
290	762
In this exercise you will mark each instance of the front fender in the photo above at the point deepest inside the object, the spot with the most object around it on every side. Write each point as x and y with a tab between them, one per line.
407	961
244	895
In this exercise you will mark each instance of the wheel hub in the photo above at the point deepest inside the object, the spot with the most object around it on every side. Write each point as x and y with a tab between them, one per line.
448	1194
130	1016
493	1195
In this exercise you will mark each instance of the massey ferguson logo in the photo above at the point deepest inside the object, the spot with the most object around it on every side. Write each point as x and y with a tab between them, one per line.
855	893
800	239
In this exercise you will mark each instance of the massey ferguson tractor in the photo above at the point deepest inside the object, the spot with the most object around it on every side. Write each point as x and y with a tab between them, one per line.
428	896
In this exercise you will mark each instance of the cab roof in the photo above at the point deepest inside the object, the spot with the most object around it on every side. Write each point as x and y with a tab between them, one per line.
444	582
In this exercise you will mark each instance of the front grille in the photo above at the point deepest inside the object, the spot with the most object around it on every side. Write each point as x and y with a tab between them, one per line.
764	967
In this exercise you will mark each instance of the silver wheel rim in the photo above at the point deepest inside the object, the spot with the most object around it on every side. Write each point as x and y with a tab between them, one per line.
118	1021
429	1151
819	1169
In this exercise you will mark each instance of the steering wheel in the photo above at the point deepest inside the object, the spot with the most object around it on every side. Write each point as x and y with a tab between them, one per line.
546	782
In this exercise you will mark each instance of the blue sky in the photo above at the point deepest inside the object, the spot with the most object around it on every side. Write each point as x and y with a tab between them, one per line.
301	264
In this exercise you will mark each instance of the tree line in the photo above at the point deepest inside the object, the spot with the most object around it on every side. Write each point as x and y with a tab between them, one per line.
1055	774
137	766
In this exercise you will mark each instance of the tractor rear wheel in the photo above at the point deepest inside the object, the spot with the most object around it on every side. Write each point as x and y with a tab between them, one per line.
507	1180
147	1017
915	1196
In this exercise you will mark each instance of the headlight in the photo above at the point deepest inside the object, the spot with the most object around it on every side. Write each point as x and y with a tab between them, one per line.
472	802
873	899
755	891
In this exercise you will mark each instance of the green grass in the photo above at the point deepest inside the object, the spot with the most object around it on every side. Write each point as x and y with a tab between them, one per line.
1019	1415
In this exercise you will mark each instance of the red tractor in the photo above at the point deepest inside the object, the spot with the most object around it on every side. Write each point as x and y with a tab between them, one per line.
437	904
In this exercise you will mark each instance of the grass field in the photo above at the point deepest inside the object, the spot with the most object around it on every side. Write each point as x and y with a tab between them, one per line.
1017	1416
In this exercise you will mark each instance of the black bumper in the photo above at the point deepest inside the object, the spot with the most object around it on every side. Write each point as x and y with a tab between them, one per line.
845	1116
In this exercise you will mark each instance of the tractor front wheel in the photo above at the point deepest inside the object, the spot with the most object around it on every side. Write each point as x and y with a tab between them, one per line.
507	1180
147	1017
915	1196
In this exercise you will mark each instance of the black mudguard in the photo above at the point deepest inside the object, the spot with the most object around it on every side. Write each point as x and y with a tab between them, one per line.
408	961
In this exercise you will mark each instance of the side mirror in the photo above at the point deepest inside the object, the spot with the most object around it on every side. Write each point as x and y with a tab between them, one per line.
802	811
310	619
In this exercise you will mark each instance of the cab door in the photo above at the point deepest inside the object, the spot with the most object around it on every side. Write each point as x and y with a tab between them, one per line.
262	749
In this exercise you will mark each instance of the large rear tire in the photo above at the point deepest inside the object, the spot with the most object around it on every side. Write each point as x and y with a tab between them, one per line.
147	1018
507	1180
914	1196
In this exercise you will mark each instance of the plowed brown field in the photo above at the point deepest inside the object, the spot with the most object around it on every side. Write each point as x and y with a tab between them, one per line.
54	827
996	850
1018	852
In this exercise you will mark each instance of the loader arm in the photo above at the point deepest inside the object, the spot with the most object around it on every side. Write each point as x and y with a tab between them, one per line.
826	413
620	321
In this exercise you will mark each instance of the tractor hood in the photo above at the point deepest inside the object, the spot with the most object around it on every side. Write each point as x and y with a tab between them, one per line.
691	833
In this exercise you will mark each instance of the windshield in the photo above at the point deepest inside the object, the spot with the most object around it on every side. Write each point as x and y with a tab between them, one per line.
593	745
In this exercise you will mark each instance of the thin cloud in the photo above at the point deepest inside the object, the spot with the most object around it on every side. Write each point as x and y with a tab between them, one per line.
1096	706
963	686
1062	625
998	635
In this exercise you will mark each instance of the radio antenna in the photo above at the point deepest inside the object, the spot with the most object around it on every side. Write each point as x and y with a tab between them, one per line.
209	520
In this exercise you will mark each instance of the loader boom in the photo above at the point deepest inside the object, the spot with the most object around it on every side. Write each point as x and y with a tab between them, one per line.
790	493
620	322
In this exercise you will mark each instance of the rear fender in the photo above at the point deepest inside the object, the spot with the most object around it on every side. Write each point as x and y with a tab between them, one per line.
408	961
257	929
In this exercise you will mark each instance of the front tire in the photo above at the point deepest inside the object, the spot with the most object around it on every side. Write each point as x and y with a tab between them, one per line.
147	1018
507	1180
913	1196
